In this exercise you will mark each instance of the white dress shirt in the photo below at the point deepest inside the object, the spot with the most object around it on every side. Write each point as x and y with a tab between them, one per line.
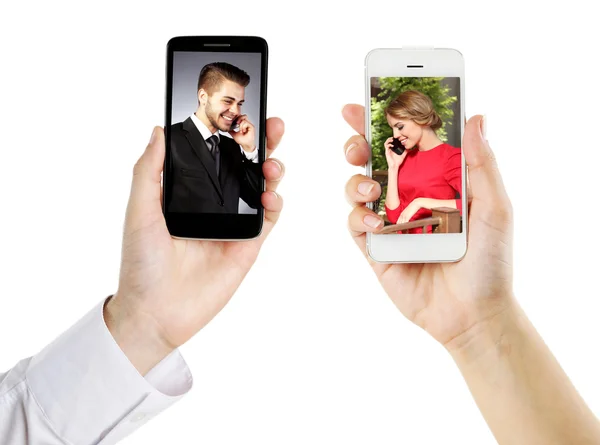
205	132
82	389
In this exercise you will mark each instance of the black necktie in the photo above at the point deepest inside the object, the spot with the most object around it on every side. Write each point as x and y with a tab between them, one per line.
213	147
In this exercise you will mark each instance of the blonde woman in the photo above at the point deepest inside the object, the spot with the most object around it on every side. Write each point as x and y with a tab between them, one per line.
428	173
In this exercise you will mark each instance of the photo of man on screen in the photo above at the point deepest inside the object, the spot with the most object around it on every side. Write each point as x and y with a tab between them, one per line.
214	155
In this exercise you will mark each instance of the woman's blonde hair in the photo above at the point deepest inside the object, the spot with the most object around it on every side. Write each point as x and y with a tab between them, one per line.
416	106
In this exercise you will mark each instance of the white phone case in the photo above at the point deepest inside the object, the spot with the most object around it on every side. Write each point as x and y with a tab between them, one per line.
435	247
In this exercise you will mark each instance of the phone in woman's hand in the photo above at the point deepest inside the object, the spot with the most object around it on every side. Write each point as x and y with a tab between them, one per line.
438	234
397	147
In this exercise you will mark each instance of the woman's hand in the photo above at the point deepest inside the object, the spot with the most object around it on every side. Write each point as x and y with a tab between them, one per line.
449	300
394	160
410	211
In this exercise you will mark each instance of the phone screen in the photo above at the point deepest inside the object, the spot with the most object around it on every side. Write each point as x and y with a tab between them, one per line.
213	177
416	153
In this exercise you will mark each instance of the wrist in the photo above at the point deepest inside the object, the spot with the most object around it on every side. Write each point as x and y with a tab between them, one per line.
489	337
136	335
248	148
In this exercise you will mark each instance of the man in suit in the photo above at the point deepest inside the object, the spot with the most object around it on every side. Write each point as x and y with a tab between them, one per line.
210	171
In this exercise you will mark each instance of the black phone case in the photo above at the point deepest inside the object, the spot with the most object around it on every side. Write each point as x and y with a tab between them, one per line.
397	147
218	224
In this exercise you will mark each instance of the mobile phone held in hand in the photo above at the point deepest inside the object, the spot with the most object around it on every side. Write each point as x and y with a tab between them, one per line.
212	187
397	146
416	96
235	127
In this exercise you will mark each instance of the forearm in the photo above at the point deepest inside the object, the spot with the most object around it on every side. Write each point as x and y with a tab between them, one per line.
392	198
430	203
521	390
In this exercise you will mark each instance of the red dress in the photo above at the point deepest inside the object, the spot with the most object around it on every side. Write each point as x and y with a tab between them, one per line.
434	173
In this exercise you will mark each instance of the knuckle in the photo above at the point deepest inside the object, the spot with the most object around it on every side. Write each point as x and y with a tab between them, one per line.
349	221
501	212
138	168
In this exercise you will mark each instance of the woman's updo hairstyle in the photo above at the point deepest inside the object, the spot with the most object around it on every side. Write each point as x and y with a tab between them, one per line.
416	106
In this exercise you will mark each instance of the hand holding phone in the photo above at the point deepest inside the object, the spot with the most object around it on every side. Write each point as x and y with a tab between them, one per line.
394	153
397	146
444	299
243	133
170	288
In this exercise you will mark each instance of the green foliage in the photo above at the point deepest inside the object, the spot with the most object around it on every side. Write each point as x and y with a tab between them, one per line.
391	87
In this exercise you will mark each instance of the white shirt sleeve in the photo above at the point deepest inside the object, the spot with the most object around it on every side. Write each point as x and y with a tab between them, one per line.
253	155
81	389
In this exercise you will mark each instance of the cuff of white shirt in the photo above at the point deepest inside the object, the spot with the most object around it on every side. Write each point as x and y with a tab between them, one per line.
252	156
91	393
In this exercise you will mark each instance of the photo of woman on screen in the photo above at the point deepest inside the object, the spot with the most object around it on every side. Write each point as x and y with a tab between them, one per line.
427	174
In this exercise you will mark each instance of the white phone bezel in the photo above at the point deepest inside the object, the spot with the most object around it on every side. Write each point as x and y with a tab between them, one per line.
417	248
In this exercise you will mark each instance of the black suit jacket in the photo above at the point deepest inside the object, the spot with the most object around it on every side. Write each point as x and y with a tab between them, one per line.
193	184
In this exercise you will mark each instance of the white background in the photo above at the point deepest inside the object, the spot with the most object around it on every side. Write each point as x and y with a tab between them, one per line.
310	350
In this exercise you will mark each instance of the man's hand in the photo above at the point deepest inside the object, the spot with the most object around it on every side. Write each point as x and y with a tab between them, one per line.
245	137
170	288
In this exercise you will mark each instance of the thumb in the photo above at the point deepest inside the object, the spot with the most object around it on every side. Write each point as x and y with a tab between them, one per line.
484	177
146	183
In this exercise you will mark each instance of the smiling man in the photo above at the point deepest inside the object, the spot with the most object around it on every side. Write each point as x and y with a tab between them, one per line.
211	171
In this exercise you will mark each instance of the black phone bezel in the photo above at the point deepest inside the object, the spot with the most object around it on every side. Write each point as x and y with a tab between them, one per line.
215	225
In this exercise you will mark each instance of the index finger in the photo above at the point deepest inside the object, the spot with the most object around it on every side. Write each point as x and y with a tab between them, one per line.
242	118
354	114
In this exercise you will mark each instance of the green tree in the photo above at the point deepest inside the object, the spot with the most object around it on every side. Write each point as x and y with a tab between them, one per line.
391	87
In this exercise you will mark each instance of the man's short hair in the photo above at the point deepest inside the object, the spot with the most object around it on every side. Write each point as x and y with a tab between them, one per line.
213	74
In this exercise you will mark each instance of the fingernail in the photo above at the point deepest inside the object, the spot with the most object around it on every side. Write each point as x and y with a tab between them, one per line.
279	166
275	194
484	127
153	136
372	221
350	148
364	188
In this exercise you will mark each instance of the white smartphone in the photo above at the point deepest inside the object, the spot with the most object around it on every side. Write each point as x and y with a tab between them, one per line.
414	122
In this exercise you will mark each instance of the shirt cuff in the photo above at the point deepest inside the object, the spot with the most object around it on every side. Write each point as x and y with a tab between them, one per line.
91	393
252	156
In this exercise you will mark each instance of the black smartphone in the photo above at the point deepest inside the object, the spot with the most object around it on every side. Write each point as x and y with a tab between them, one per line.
397	147
212	178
